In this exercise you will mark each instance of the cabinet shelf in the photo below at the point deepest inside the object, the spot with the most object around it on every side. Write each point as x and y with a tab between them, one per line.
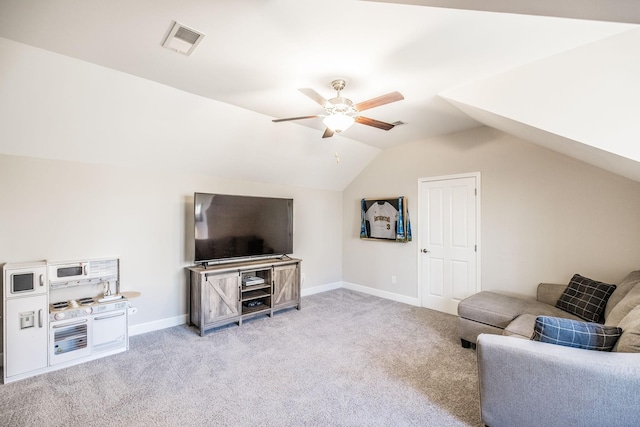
254	287
256	309
251	295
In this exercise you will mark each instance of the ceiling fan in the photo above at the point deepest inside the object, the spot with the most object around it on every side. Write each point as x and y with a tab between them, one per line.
341	112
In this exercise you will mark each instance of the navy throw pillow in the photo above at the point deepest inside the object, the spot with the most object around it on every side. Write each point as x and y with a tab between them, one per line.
574	333
586	298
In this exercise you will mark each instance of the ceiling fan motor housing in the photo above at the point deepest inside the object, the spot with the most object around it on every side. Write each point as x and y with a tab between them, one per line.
340	105
338	85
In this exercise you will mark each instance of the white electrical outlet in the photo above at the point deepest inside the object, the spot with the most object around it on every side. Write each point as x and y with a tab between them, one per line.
394	280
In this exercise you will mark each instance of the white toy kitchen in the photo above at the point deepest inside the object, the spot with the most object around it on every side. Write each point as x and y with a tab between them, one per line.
59	314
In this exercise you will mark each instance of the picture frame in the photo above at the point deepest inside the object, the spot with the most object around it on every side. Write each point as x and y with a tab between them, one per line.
385	219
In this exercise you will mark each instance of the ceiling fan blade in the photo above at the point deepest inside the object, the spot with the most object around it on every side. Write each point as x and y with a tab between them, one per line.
314	95
328	133
294	118
375	123
381	100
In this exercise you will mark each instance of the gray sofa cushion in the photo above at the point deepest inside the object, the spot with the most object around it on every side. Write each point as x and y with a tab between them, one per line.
491	308
629	341
622	288
622	308
586	298
574	333
542	309
521	327
550	293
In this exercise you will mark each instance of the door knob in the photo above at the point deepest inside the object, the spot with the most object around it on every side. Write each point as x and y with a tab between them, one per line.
425	251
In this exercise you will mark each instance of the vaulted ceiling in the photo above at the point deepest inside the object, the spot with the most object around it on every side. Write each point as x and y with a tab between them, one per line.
100	78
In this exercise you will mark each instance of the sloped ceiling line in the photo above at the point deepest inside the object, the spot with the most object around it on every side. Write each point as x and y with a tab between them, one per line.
582	101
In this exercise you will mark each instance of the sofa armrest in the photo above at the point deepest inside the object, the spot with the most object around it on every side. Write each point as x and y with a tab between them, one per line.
549	293
529	383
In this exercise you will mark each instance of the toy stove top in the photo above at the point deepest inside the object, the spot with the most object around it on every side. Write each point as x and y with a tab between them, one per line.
71	304
85	306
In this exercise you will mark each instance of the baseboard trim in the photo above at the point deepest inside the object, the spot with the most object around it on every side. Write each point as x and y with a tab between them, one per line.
170	322
382	294
156	325
322	288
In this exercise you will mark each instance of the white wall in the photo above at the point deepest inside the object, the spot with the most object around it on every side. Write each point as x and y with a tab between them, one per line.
60	210
56	107
545	216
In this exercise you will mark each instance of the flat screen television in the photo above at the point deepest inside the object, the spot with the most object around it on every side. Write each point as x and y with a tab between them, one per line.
228	227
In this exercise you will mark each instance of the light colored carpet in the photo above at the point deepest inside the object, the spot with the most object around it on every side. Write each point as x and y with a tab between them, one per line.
345	359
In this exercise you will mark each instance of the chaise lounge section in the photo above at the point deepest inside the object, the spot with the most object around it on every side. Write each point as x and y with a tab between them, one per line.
494	313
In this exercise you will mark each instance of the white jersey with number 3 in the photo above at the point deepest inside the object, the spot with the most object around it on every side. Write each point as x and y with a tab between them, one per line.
382	220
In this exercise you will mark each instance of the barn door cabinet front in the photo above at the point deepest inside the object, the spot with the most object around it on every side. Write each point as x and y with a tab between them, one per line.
214	299
286	286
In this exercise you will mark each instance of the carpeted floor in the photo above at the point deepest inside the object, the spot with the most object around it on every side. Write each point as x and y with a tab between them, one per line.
345	359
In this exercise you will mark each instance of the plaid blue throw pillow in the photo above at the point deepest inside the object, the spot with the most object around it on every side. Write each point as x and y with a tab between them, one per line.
586	298
573	333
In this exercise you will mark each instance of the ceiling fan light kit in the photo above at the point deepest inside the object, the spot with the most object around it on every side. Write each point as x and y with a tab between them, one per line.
338	122
341	113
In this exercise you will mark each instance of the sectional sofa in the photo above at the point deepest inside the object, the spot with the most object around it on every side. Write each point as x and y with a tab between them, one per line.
529	382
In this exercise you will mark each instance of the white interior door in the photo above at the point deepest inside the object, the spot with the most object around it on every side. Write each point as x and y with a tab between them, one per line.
448	240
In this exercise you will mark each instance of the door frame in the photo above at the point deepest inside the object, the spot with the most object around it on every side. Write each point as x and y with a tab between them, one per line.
475	175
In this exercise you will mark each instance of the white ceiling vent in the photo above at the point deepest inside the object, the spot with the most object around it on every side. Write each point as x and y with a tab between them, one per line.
182	38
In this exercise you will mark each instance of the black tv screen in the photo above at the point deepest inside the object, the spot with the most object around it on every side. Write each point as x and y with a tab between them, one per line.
228	226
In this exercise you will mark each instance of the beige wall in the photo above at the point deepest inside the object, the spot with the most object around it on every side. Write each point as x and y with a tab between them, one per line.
59	210
544	216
